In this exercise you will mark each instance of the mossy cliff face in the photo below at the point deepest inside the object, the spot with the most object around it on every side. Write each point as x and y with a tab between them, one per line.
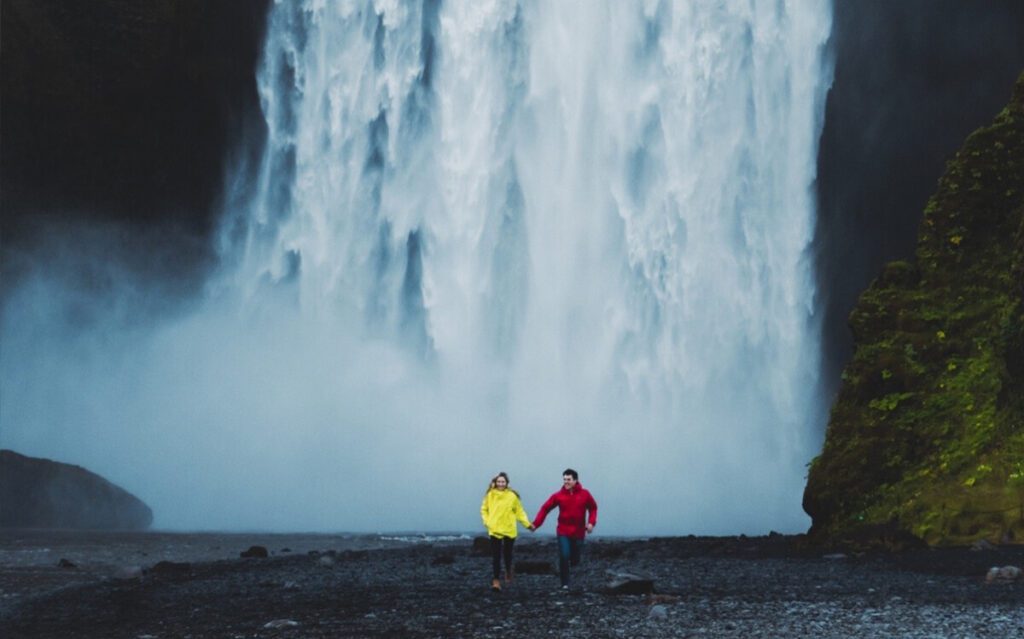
927	434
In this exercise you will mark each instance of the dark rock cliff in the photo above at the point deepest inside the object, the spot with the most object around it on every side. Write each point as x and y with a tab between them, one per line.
124	111
927	435
912	79
40	493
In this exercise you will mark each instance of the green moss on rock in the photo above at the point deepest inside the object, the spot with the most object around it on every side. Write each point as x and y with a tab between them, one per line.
926	436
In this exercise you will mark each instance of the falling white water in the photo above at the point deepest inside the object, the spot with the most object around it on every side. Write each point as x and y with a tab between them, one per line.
482	236
554	233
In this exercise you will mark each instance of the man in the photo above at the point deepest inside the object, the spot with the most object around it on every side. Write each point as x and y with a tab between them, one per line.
573	502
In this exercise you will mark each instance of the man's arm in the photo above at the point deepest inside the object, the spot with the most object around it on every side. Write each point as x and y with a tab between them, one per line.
592	507
544	510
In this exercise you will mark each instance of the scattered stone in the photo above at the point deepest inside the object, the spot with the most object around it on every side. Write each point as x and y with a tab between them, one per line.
443	560
609	551
259	552
658	613
128	572
662	599
281	623
625	583
534	568
64	563
291	585
327	561
286	550
1003	574
836	556
983	544
171	568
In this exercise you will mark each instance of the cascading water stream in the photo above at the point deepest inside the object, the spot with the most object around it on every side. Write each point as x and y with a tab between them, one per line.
537	234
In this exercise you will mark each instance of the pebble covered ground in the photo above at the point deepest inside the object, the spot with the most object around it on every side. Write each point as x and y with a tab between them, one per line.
365	587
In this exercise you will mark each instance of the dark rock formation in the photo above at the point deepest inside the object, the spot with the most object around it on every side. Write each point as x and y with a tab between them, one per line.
912	79
625	583
257	552
124	111
927	434
40	493
535	568
171	568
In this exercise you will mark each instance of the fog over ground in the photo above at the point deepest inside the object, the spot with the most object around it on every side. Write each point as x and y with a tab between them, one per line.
280	423
436	271
124	348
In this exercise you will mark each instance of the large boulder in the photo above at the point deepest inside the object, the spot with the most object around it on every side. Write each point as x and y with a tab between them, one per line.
40	493
926	436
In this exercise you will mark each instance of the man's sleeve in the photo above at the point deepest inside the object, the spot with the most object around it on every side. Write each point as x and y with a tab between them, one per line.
592	507
544	510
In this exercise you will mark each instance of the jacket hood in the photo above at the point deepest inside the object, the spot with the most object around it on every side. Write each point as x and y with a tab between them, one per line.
509	491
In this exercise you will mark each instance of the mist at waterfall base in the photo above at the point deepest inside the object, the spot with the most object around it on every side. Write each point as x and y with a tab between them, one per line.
470	245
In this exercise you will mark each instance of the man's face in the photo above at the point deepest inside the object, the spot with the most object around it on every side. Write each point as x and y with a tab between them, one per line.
568	482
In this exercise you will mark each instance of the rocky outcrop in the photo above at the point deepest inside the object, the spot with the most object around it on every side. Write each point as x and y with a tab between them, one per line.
926	436
40	493
124	111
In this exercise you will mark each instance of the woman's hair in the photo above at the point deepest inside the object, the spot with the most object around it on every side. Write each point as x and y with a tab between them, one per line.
494	482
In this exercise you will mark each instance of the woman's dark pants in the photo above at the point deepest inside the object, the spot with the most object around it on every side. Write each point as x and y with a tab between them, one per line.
569	550
501	547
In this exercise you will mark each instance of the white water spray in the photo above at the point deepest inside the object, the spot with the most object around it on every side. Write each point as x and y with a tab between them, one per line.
581	229
493	235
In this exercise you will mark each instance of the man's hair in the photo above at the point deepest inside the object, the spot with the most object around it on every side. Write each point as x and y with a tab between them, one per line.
573	473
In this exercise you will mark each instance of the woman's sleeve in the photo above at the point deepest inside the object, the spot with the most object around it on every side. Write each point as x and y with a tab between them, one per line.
521	514
483	510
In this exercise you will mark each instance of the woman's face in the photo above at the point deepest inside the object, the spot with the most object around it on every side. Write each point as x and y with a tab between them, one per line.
501	483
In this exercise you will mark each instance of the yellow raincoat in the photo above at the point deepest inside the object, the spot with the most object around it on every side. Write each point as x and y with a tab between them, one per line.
500	510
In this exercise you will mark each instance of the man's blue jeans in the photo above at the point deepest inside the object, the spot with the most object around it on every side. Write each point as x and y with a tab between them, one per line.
569	551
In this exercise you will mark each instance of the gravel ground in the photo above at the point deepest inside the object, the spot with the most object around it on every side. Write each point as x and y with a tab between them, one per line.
373	587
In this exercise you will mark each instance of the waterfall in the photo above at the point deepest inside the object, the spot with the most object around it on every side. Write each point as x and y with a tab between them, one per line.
523	235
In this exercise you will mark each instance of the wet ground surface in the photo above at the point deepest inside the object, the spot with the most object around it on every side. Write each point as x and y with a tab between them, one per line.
369	586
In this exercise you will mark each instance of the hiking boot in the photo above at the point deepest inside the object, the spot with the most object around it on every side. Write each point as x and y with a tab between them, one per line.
496	585
508	576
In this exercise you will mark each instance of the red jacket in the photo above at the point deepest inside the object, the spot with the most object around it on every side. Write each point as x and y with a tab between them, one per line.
572	510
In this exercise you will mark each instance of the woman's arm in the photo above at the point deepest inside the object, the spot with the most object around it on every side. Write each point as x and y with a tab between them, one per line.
520	513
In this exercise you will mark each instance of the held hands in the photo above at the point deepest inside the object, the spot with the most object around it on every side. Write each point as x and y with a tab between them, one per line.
590	528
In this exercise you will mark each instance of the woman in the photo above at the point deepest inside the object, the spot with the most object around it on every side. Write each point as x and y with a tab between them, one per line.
500	510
